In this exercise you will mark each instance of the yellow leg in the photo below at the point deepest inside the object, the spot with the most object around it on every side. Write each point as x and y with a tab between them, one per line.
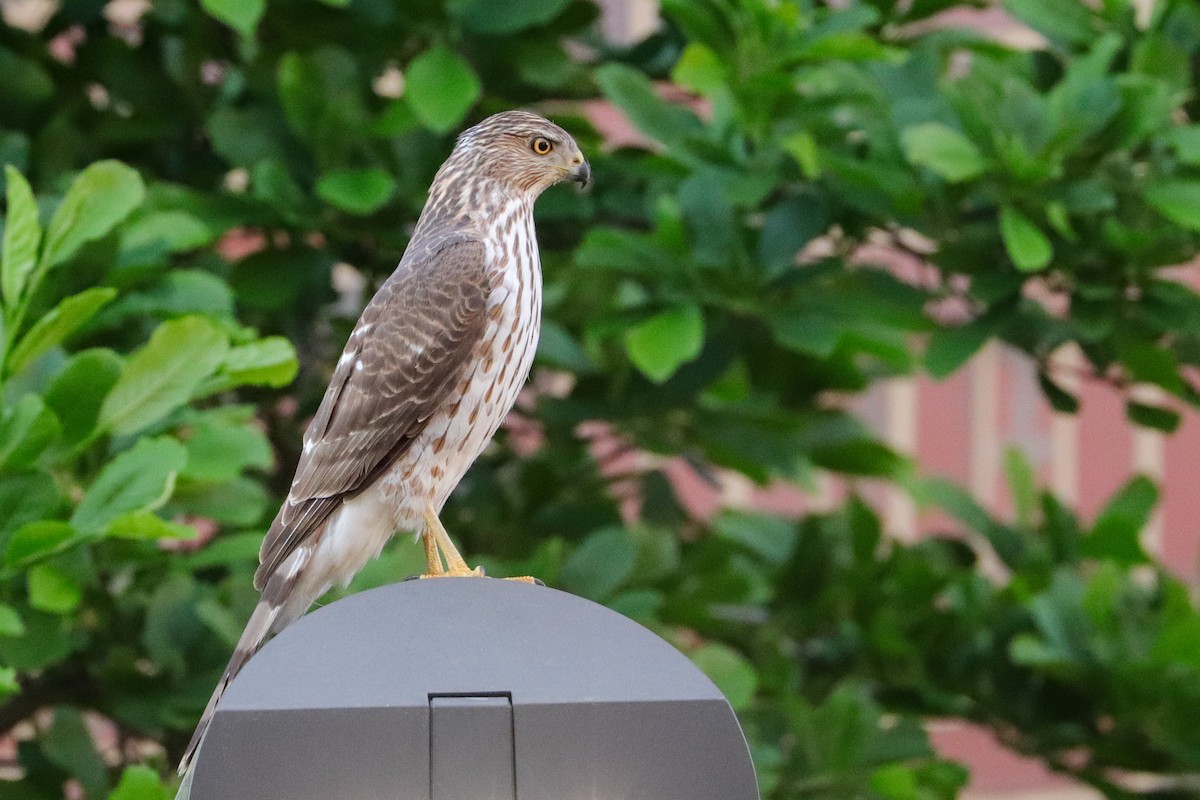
433	559
436	539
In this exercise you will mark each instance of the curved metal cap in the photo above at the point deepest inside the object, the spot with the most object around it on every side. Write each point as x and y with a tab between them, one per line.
472	689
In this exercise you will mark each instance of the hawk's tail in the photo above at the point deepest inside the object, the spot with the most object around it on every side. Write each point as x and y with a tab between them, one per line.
260	626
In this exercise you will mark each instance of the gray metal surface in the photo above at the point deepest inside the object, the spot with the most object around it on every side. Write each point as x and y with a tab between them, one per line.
471	748
425	686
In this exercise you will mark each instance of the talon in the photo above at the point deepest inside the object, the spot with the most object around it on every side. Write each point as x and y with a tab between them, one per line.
527	579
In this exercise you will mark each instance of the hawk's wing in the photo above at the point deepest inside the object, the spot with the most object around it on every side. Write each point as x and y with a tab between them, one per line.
407	352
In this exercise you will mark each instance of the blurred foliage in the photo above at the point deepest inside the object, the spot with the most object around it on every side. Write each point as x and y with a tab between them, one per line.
181	184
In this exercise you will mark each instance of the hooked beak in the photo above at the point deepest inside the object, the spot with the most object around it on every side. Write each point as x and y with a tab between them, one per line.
581	173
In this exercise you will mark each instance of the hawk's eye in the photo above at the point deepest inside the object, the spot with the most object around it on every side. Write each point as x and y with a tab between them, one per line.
541	145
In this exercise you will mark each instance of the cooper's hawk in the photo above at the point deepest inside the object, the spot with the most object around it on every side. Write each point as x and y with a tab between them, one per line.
430	370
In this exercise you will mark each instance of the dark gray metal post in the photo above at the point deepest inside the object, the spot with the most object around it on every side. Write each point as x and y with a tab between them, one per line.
471	689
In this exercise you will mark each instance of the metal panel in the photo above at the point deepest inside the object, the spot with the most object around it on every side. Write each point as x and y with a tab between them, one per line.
325	754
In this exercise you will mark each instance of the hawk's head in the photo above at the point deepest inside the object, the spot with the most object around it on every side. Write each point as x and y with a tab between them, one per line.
524	151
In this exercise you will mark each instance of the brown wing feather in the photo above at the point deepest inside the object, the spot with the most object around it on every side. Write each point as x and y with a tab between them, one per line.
413	342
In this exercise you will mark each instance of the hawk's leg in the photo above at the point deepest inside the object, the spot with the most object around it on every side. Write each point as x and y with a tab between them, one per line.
433	560
438	546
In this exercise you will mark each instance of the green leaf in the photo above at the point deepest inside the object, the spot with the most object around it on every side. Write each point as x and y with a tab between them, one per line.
25	85
699	70
27	496
769	537
151	237
632	92
103	195
22	235
662	344
950	348
1028	247
1157	417
958	503
77	391
179	293
246	137
600	564
641	605
240	502
786	229
895	782
218	453
14	145
241	548
220	620
1146	362
807	330
558	348
1060	399
622	251
10	622
802	146
26	430
274	184
710	220
163	375
1023	485
267	362
147	526
495	19
729	670
943	151
1116	535
38	539
140	479
57	324
47	639
53	590
1065	20
8	682
1029	650
849	46
441	88
1179	643
1178	201
139	783
171	619
861	457
241	15
69	744
1186	141
321	94
358	191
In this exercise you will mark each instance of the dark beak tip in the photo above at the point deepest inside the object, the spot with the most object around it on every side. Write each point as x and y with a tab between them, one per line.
582	174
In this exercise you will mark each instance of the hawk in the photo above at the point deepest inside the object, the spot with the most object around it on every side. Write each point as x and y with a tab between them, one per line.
427	376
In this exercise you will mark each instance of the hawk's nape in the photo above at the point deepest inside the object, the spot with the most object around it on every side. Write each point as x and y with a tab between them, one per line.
428	374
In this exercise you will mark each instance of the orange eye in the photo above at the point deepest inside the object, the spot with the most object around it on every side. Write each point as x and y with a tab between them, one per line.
542	145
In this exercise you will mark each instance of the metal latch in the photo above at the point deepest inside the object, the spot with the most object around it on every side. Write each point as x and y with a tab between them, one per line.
471	755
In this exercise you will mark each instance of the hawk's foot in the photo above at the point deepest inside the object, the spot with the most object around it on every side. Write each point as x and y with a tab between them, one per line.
438	546
455	573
